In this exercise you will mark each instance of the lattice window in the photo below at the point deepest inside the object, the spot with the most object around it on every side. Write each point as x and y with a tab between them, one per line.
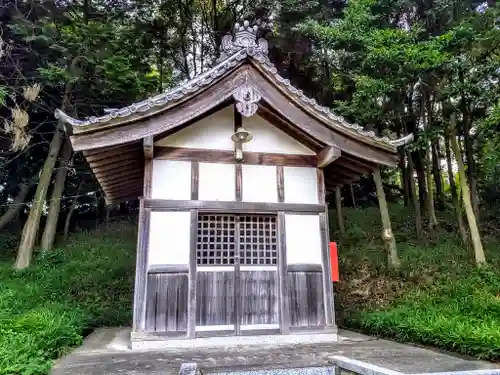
217	239
258	240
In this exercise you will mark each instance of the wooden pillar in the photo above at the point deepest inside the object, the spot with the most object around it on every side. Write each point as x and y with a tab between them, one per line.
139	320
387	235
325	254
338	208
284	307
191	308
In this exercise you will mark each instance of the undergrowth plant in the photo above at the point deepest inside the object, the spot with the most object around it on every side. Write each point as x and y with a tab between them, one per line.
438	297
46	310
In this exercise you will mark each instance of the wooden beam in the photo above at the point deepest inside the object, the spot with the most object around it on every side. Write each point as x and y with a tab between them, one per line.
148	166
129	183
121	198
124	163
123	175
256	158
284	312
328	155
130	193
304	267
280	177
148	147
181	205
343	173
126	189
239	182
168	268
195	177
321	185
107	152
113	160
360	165
338	181
348	171
327	272
191	315
139	321
117	173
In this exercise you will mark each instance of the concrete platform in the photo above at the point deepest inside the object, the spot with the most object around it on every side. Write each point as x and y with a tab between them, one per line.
106	352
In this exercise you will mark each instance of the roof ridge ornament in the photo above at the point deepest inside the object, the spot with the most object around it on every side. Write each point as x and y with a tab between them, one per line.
244	39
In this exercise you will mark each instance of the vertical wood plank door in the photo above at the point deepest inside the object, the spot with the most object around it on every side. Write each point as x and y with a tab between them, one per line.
258	276
237	283
215	275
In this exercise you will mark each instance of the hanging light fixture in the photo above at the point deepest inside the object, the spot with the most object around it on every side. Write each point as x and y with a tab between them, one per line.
239	137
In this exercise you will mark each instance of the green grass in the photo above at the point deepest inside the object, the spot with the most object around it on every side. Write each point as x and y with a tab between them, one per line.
47	309
438	297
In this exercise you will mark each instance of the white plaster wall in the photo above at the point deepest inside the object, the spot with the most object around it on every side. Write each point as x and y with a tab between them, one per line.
217	182
169	238
268	138
171	179
300	185
303	239
212	132
259	183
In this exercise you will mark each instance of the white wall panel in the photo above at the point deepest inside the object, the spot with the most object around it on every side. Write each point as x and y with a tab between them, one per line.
171	179
212	132
268	138
303	239
169	239
217	182
259	183
300	185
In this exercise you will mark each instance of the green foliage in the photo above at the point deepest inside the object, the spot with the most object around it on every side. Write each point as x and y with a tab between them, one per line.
46	310
438	298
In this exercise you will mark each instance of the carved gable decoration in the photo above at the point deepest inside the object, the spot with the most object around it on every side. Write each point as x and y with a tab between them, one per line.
246	100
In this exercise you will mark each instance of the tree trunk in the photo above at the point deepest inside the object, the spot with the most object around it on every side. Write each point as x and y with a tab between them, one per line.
338	208
471	163
453	188
16	206
404	179
387	235
436	173
430	192
414	198
471	217
353	198
71	210
418	165
49	233
30	230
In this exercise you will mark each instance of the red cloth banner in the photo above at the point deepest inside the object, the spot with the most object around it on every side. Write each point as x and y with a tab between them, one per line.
334	261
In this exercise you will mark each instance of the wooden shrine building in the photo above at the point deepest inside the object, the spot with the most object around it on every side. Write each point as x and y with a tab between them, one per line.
231	170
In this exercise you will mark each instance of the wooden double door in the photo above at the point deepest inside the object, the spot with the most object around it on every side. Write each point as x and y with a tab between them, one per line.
237	274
